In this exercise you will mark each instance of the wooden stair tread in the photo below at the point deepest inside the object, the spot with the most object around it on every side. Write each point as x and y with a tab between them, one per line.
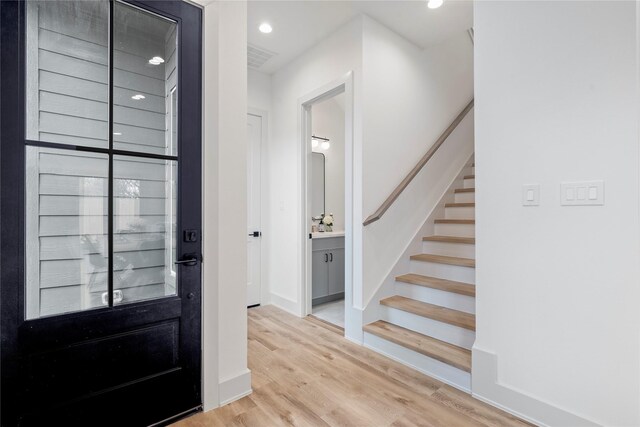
455	221
440	284
450	239
442	259
435	312
459	205
447	353
469	177
464	190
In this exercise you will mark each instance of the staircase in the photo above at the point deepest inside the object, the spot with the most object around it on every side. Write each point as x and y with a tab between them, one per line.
429	323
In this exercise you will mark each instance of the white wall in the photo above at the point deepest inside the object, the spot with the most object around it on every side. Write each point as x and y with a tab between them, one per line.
557	287
326	62
328	122
410	97
225	372
258	90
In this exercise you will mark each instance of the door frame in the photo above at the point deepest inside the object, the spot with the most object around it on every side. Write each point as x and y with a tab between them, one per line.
342	85
264	287
12	155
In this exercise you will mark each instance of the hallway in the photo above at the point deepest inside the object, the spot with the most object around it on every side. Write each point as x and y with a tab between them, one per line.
307	375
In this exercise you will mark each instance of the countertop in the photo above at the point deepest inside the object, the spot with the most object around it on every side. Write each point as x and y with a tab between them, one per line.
327	234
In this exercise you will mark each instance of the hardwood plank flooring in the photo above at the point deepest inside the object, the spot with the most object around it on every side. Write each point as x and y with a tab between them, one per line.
304	374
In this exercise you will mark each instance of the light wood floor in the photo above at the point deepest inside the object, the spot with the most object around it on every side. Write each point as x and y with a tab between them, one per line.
305	374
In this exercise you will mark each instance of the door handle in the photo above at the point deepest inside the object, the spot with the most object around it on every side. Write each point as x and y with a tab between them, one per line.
255	234
326	257
331	255
190	260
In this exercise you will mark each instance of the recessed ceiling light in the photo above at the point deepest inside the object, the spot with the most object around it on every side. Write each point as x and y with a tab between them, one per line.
156	60
265	28
434	4
138	97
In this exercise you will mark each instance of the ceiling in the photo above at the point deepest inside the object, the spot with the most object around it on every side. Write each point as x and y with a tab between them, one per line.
298	25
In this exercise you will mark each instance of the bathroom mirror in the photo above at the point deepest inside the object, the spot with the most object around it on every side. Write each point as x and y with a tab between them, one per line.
317	184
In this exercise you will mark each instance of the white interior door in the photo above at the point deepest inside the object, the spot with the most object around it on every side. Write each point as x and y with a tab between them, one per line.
254	128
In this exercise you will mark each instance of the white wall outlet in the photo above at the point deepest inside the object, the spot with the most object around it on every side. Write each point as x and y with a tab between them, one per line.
582	193
531	195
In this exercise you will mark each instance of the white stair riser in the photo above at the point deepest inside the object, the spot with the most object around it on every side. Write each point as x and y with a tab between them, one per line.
431	367
444	271
460	213
465	197
470	183
432	328
459	230
437	297
450	249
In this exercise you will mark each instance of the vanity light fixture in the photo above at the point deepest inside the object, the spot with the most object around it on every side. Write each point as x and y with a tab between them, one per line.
322	142
265	28
434	4
138	97
156	60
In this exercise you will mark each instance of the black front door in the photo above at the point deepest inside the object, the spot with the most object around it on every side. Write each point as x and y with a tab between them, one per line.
100	183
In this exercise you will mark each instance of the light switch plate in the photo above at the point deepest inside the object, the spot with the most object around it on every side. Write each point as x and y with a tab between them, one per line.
531	195
582	193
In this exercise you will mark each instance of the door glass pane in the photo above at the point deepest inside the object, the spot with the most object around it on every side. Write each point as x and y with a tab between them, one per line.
67	73
66	231
145	79
144	228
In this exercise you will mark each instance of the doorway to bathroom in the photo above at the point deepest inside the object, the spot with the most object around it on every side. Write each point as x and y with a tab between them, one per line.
327	142
327	209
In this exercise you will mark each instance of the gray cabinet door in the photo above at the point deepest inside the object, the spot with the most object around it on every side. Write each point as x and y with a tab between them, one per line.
320	274
336	271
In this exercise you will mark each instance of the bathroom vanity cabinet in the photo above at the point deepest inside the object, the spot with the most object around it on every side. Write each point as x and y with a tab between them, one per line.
327	268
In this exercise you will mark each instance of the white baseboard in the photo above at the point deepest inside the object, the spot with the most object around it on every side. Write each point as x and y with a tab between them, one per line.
235	388
286	304
486	387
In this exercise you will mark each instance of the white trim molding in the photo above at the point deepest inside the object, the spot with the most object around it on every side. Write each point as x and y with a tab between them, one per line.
486	386
235	388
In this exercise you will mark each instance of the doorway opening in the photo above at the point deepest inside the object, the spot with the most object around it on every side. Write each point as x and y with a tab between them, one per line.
326	141
327	210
